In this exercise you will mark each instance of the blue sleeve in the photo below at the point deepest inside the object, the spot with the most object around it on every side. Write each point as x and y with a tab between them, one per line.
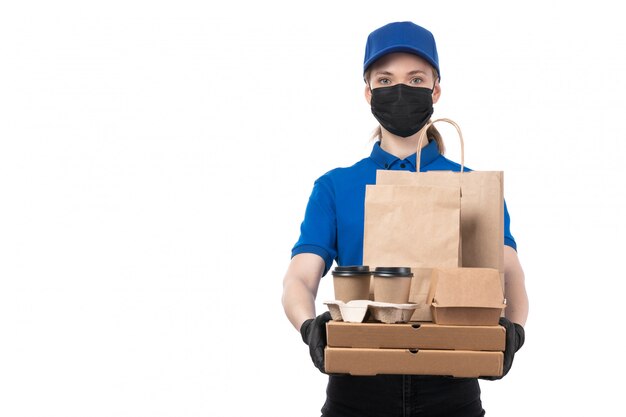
509	240
318	231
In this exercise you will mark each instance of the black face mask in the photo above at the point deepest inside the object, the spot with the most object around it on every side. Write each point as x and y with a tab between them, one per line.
402	110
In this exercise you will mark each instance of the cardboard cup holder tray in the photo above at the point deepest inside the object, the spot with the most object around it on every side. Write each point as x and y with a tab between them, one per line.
358	311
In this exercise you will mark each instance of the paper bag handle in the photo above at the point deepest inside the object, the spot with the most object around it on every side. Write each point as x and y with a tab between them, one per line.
423	134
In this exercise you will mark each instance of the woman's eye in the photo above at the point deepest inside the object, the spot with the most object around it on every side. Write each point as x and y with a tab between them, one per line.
416	80
384	81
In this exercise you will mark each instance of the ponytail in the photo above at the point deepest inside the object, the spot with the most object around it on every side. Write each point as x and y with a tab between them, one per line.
433	133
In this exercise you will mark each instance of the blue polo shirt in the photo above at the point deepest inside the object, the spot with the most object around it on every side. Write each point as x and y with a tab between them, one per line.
334	217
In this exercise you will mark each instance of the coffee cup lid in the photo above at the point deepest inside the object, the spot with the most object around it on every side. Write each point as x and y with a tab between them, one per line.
352	270
393	271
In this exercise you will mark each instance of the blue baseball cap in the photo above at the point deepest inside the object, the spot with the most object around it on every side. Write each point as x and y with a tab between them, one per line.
401	37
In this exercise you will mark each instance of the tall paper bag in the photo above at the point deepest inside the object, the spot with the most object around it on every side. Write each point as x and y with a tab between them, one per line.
481	215
482	205
482	210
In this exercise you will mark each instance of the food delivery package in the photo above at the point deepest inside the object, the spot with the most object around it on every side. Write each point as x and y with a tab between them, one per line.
459	221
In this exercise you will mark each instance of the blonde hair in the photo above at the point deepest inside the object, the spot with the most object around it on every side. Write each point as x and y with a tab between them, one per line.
432	133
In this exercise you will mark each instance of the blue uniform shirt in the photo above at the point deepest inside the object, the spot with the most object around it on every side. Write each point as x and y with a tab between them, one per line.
334	218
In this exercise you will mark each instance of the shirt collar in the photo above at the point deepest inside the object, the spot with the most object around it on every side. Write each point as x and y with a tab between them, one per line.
386	160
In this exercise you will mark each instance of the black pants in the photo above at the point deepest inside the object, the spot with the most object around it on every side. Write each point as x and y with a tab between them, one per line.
402	396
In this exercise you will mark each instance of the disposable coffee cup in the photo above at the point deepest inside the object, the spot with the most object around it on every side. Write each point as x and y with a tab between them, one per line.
352	282
392	284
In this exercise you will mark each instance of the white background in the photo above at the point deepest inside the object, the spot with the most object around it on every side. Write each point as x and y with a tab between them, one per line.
155	163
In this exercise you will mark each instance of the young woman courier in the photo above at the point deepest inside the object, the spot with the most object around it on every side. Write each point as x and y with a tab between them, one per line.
401	72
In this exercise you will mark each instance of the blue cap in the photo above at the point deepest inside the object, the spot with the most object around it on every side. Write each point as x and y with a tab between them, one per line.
401	37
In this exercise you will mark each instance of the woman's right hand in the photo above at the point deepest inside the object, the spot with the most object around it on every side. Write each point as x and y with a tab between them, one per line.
313	333
299	291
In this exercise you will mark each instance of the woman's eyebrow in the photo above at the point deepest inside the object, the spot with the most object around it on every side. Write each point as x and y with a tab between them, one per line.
383	73
416	72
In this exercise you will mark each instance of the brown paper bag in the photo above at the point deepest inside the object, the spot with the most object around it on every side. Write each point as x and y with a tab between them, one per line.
482	207
416	226
481	218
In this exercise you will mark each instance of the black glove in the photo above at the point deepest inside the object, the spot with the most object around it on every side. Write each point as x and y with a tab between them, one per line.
514	341
313	333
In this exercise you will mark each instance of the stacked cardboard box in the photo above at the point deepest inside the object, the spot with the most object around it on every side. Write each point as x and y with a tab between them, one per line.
464	340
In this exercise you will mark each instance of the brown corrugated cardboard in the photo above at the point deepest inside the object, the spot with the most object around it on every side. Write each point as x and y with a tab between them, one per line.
415	335
457	363
466	296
